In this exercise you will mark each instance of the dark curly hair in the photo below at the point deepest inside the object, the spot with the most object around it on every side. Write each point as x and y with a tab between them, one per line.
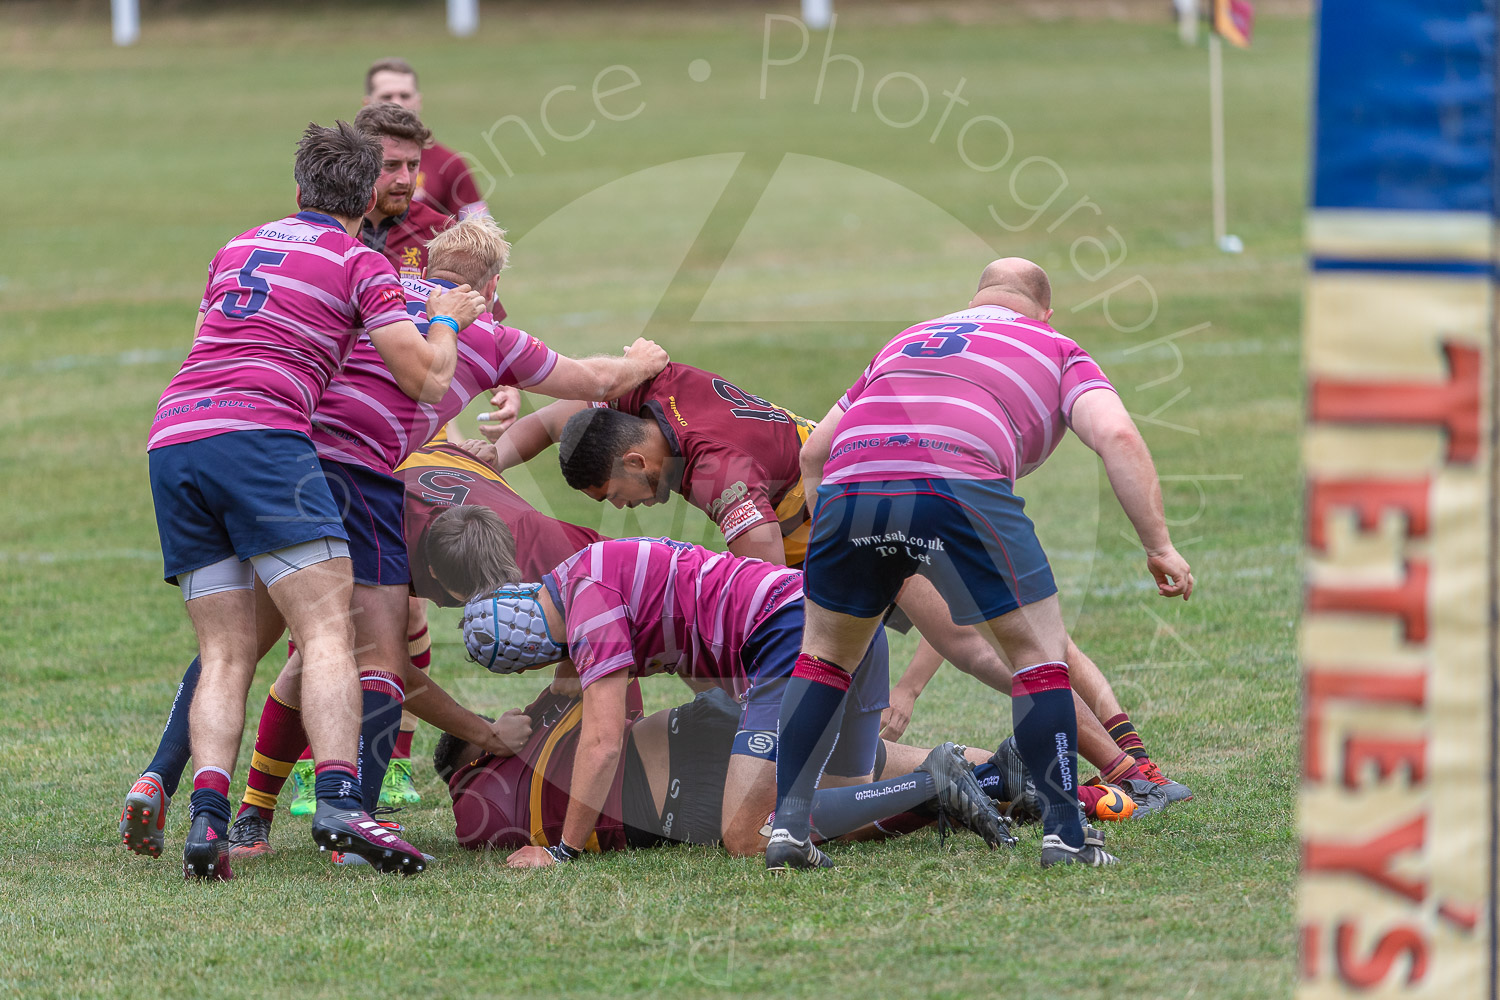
592	443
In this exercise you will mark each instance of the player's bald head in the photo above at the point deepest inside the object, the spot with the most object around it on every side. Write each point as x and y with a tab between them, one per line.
1016	283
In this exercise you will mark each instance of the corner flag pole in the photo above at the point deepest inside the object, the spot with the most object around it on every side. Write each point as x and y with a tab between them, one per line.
1216	134
1232	19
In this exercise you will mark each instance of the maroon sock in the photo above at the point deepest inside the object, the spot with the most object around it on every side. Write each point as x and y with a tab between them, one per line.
403	745
278	739
1122	731
1120	769
212	778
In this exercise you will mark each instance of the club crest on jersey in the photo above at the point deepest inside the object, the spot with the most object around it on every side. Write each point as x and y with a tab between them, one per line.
411	261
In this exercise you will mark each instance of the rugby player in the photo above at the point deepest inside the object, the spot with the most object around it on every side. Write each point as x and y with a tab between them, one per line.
437	477
728	452
735	456
635	607
922	452
236	484
443	180
365	425
667	788
399	226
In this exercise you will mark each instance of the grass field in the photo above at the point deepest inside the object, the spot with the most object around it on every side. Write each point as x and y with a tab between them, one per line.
753	229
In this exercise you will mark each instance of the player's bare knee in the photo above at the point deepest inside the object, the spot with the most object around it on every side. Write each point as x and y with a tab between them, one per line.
744	840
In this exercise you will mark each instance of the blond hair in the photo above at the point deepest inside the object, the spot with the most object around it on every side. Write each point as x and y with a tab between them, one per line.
474	250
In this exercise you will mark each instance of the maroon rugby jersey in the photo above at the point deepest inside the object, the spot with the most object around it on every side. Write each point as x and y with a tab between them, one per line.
739	453
439	475
510	802
403	238
445	183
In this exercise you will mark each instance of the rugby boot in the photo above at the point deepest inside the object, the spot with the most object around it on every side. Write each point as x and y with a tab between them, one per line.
785	852
203	854
961	800
1175	791
250	836
1092	853
304	787
1025	805
350	858
1149	798
397	789
356	832
143	821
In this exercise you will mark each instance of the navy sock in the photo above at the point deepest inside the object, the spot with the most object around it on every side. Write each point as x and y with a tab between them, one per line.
337	785
381	721
1046	736
990	779
807	729
175	750
837	811
213	803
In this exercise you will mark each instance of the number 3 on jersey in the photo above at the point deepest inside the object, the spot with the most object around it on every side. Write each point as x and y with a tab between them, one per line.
251	297
943	340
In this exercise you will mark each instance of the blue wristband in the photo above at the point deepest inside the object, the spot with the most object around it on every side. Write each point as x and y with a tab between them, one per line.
447	321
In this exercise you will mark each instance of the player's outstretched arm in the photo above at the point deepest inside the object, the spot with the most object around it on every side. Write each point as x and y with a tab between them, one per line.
423	366
603	378
528	437
427	700
601	742
815	452
1101	421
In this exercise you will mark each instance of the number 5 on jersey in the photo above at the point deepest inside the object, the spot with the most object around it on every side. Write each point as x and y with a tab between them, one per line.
253	288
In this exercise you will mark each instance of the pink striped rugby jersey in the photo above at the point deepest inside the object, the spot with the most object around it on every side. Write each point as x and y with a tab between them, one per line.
653	605
285	304
365	419
980	394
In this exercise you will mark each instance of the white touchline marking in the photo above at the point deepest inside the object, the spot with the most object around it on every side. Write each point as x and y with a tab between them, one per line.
70	362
